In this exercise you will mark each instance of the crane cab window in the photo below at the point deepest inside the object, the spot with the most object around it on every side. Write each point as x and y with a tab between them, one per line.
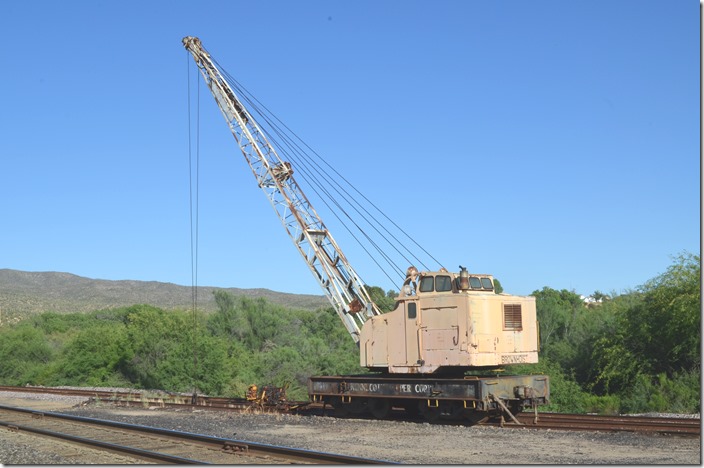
412	311
475	282
440	283
443	283
426	284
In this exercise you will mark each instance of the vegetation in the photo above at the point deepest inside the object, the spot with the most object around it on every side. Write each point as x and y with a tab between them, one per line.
246	341
635	352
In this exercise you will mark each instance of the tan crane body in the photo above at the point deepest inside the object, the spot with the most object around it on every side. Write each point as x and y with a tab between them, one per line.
451	321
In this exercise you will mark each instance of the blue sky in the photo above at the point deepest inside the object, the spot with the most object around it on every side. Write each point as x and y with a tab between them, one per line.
558	141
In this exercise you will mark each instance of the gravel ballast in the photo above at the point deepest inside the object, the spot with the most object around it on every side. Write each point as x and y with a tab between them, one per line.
405	442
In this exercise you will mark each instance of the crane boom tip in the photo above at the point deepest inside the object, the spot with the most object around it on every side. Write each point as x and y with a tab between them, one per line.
188	40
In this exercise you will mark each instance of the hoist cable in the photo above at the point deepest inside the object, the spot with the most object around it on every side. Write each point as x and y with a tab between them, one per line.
302	168
315	181
247	94
319	179
346	196
296	149
324	199
193	219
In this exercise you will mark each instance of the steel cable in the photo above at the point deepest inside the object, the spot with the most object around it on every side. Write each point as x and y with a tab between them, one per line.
194	219
323	182
247	95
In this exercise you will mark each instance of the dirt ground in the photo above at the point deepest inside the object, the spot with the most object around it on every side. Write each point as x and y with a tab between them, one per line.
405	442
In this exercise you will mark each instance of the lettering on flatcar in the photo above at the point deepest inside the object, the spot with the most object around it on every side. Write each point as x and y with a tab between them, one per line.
359	387
381	387
513	359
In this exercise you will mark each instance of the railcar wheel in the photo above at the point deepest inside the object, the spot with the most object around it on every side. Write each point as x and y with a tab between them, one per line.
411	409
430	414
379	407
353	407
340	411
356	406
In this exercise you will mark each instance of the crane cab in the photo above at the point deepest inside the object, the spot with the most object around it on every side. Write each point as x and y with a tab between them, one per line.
450	321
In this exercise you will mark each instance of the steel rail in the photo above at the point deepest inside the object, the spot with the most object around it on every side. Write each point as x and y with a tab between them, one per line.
606	423
220	450
133	451
68	391
166	399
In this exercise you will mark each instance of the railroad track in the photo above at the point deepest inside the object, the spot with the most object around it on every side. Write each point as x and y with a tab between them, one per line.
164	399
575	422
591	422
161	445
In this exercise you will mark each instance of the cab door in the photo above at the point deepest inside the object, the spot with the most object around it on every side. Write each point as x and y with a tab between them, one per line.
412	320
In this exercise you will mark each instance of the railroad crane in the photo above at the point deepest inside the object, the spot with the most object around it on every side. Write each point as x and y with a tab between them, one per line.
444	323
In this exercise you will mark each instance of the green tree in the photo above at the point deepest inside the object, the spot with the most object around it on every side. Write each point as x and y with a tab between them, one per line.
656	333
24	350
385	301
599	296
229	321
498	289
558	312
173	350
566	395
281	366
270	344
95	356
52	323
670	319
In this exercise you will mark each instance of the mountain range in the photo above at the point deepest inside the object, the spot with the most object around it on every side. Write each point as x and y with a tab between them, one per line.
24	293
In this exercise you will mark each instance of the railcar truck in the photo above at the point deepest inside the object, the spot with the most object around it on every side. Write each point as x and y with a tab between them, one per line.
445	325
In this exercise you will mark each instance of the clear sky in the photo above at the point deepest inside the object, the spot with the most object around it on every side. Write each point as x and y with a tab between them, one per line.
550	143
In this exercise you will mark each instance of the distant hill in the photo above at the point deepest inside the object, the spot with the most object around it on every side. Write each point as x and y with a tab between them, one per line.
25	293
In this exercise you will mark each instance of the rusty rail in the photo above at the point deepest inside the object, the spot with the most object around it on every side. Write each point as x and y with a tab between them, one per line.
604	423
162	445
163	399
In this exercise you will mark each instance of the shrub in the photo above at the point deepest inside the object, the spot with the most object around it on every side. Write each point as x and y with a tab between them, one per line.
23	352
607	404
680	394
566	395
94	357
